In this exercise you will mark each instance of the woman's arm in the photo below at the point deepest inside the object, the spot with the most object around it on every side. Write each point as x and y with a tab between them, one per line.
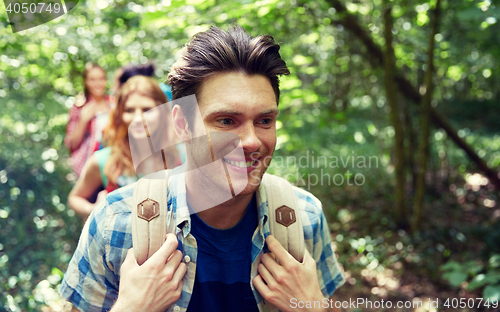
85	186
76	136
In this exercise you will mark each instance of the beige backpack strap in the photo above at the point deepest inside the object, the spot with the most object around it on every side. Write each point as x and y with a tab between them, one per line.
284	216
149	216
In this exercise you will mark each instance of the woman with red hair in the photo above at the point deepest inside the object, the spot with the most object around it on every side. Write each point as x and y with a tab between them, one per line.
113	167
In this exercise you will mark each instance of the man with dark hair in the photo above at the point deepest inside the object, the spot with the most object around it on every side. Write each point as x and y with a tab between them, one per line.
221	262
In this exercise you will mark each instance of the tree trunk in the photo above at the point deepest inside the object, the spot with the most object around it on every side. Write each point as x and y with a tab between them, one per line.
390	90
424	140
376	58
412	143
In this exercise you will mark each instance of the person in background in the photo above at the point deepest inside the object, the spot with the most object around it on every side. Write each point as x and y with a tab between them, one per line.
123	74
112	167
87	117
132	70
144	70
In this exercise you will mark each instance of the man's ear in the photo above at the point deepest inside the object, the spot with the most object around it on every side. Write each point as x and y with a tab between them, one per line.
181	124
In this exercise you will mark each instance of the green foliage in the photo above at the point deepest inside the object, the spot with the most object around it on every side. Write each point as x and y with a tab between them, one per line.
486	277
333	105
456	273
38	232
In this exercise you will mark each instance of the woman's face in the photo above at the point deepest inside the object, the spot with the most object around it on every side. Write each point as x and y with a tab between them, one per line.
135	105
96	82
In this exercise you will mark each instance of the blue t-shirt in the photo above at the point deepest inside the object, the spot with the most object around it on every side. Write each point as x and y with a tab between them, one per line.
222	281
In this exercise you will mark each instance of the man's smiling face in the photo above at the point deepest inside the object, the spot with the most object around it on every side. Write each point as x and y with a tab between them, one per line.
244	105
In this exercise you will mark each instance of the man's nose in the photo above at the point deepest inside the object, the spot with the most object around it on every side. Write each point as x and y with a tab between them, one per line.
250	142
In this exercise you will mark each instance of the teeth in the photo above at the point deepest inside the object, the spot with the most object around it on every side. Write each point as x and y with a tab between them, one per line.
240	164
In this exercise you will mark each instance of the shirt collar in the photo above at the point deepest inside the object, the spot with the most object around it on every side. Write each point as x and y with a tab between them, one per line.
262	209
177	186
177	199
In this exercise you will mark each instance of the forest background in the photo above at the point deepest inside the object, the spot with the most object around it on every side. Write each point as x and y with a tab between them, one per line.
410	84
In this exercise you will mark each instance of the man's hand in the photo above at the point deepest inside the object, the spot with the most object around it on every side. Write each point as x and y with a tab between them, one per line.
156	284
279	283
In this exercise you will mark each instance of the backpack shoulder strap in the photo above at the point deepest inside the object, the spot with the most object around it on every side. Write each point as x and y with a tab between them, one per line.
149	216
284	216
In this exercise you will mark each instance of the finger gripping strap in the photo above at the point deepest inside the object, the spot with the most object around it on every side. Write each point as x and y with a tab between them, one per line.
149	217
285	223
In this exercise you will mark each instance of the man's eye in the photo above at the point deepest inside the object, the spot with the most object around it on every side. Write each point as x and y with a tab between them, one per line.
225	121
266	121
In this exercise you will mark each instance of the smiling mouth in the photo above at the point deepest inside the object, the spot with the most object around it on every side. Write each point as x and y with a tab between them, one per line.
241	164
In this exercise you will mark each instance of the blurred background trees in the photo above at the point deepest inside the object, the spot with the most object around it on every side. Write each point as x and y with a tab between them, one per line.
335	104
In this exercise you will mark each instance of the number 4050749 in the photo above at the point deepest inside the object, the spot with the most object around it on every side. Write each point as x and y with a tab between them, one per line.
33	8
470	303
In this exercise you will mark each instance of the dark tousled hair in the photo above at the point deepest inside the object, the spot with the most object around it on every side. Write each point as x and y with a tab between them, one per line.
131	70
215	51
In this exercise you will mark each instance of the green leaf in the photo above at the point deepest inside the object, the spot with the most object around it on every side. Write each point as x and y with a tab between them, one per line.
492	292
477	282
493	277
451	266
473	267
455	278
495	261
56	271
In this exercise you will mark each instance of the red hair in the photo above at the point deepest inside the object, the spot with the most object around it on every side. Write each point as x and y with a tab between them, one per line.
116	133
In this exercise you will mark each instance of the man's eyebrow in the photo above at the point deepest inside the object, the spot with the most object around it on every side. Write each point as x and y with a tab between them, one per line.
225	112
235	113
270	112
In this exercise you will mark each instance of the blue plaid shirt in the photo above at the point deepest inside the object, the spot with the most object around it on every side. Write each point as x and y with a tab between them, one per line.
92	279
